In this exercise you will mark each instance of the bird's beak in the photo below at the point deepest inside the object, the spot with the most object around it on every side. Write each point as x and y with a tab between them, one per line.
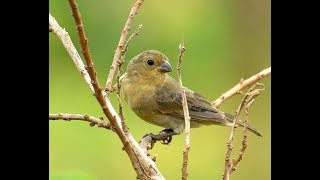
165	67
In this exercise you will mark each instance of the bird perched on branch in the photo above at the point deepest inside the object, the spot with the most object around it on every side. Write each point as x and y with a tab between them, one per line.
155	97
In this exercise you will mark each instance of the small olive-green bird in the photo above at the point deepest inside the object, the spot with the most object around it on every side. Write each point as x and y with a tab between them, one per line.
155	97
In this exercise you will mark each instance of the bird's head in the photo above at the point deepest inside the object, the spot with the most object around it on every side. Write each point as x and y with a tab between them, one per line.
149	65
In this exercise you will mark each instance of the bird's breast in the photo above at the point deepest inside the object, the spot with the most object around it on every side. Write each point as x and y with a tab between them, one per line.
140	98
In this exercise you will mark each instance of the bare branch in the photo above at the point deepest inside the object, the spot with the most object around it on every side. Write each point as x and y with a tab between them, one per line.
247	100
114	87
73	53
229	144
134	34
244	141
119	77
123	122
85	48
143	165
184	168
81	117
242	84
146	143
118	51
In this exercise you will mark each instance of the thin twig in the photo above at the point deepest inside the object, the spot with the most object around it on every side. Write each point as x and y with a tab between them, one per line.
229	144
142	164
123	121
81	117
184	168
242	84
119	78
244	141
114	87
124	51
124	34
249	97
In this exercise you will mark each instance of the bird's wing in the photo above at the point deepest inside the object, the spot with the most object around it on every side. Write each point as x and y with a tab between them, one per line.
169	101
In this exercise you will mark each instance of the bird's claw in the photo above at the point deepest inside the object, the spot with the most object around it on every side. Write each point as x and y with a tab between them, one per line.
167	133
164	136
166	141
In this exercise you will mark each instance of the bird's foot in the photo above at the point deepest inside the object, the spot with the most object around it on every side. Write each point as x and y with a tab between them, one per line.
164	136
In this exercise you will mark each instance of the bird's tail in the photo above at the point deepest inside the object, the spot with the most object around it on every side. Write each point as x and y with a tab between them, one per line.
230	118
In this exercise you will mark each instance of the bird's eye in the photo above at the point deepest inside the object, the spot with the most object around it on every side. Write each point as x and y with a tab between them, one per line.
150	62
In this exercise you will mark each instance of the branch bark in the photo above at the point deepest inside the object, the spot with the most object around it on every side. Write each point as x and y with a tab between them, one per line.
241	85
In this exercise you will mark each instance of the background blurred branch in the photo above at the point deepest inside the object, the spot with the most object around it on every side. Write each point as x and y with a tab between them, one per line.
242	84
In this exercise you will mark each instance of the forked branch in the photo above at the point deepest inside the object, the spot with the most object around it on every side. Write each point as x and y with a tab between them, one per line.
246	101
121	44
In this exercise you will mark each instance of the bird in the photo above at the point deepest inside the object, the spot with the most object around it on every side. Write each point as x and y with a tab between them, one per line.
156	98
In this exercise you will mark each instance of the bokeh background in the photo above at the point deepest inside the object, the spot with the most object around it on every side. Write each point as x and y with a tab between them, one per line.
225	41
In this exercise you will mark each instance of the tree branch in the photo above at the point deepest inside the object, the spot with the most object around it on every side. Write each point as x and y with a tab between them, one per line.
73	53
67	117
229	144
242	84
124	51
143	165
118	84
184	168
124	34
85	48
247	100
123	122
244	141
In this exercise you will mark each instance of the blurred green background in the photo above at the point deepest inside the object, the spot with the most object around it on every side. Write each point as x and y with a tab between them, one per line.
225	41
